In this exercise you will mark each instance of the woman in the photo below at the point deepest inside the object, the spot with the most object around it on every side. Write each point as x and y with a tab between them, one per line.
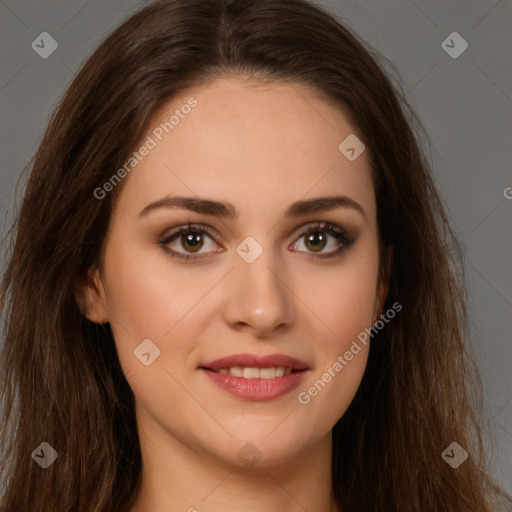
233	283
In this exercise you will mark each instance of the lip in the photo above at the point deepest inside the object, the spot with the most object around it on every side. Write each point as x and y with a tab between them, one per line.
257	390
256	361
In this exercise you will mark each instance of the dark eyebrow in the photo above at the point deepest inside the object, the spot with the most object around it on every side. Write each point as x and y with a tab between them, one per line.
227	210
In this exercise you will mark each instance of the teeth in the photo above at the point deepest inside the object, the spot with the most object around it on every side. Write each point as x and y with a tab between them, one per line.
269	373
236	371
251	373
256	373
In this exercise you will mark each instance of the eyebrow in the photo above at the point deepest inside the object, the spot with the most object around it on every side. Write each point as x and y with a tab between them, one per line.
227	210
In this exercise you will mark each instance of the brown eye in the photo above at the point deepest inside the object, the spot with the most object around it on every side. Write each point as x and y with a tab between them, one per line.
316	241
186	242
192	242
320	236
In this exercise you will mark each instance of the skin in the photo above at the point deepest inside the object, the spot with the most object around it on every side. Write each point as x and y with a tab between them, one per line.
261	147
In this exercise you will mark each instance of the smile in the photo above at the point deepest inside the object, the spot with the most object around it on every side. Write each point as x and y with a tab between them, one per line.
256	377
256	373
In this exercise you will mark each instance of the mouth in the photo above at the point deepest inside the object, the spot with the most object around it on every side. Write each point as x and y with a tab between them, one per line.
256	378
272	372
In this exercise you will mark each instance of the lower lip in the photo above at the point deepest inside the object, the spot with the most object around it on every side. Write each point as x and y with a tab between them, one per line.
258	390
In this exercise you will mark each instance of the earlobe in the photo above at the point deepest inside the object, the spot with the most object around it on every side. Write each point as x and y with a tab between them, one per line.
90	297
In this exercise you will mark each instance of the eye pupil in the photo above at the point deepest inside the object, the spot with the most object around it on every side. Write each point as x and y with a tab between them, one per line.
314	238
189	243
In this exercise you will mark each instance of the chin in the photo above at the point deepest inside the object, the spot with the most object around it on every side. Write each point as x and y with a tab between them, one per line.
257	449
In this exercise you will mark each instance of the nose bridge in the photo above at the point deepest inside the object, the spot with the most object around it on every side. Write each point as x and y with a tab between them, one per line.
259	295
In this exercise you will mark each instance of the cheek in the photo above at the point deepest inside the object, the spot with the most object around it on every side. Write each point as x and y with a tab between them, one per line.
327	396
137	296
342	300
150	297
341	355
144	299
147	292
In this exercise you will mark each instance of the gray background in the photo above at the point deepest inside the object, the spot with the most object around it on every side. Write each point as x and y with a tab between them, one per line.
465	105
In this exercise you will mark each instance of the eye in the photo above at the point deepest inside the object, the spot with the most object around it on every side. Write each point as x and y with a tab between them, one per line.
317	239
189	238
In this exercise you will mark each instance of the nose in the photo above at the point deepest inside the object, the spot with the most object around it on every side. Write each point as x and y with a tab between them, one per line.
258	297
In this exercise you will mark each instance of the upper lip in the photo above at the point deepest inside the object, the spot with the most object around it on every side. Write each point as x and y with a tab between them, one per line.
256	361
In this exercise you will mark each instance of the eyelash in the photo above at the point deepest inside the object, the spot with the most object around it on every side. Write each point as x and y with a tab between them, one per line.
326	227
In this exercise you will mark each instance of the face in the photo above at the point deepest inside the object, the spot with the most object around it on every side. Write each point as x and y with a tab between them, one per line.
229	330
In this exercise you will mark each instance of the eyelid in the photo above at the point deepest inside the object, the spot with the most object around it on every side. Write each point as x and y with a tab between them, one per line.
309	227
321	224
296	232
334	230
165	238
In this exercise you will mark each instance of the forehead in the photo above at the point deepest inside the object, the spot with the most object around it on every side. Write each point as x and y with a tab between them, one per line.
244	142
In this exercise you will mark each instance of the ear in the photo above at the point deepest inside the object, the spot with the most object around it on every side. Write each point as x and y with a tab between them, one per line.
90	297
383	284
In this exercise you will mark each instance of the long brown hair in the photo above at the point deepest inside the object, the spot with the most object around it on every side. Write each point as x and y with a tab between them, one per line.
61	379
